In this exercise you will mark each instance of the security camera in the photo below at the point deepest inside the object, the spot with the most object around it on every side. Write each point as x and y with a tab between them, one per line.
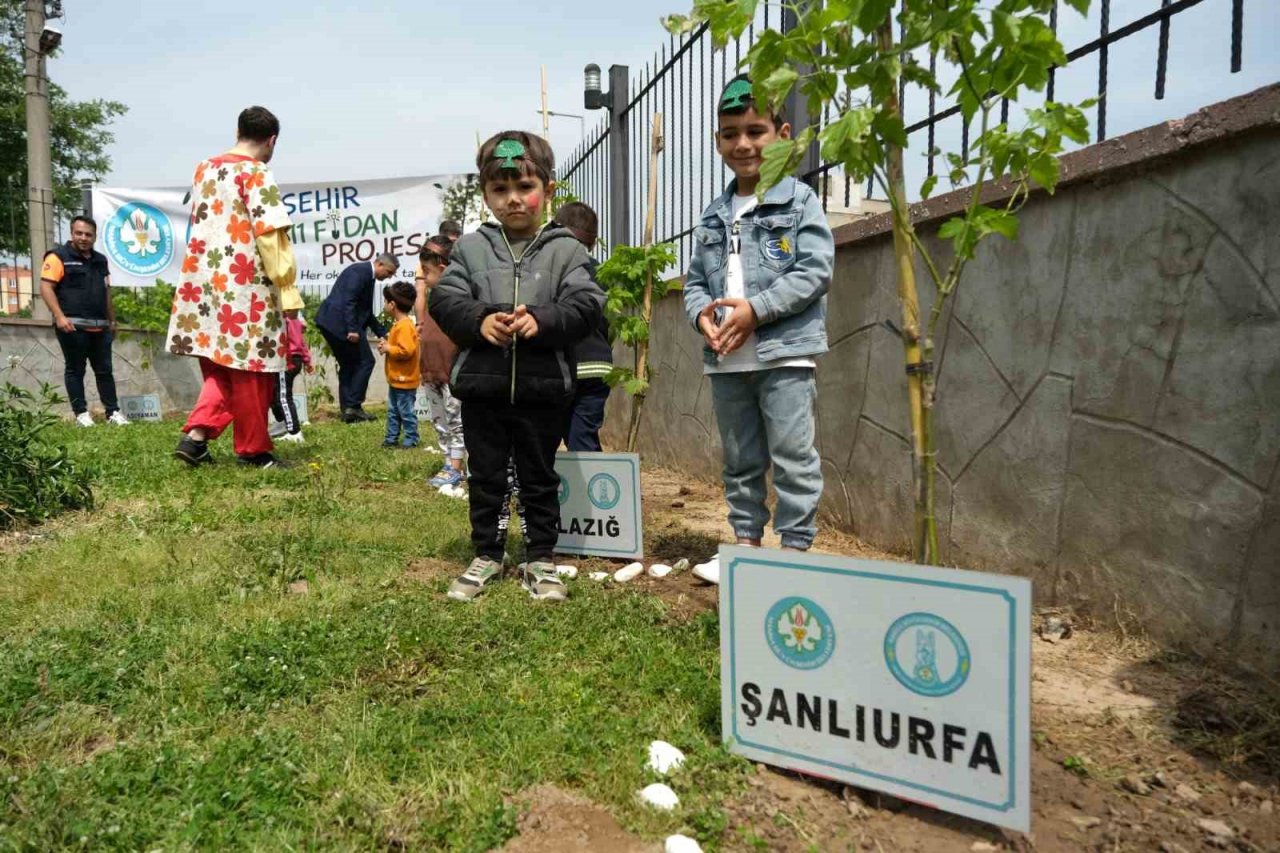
50	37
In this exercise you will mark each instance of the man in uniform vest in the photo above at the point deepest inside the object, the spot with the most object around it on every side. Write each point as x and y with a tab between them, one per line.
76	285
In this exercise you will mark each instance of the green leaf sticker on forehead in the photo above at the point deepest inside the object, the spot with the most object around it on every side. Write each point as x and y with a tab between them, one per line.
735	95
507	151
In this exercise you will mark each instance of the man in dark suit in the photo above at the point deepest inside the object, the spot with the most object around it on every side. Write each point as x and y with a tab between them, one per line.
343	317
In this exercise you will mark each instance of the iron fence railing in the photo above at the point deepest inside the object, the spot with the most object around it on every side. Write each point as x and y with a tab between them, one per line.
686	75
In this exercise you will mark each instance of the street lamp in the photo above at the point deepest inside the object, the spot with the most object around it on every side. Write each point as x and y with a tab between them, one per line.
615	100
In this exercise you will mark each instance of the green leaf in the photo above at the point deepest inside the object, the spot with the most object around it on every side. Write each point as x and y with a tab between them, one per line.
778	85
926	189
1081	6
780	159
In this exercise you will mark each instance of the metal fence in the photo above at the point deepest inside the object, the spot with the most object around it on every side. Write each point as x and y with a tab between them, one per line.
686	75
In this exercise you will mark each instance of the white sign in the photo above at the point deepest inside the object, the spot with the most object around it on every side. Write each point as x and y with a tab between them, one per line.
906	679
600	504
335	224
141	407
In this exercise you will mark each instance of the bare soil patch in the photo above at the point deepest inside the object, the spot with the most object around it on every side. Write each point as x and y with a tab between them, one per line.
553	820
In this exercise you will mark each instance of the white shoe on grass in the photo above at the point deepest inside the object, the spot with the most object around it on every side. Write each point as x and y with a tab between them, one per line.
294	437
118	418
84	419
708	571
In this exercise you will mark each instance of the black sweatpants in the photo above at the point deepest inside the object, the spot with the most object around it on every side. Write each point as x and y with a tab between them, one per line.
282	401
495	432
95	347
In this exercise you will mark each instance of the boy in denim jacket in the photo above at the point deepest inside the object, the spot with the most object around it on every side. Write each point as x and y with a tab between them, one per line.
756	291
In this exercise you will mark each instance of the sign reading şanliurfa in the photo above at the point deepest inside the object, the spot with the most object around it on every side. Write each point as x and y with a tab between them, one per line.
906	679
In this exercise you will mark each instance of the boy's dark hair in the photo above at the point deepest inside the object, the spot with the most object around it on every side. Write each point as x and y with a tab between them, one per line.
402	294
257	124
530	155
438	248
736	98
88	220
581	219
450	229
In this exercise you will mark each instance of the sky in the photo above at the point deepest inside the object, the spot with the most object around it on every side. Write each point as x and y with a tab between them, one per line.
399	88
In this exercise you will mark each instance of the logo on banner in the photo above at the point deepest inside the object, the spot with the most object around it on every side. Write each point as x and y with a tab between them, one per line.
603	491
800	633
563	492
922	664
139	239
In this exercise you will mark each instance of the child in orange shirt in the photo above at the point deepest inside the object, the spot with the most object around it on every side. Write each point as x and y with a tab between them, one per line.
403	372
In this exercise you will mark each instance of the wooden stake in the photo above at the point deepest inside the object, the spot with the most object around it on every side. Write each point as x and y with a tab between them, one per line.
546	119
657	143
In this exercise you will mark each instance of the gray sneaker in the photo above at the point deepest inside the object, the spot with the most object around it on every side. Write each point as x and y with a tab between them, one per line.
541	580
472	582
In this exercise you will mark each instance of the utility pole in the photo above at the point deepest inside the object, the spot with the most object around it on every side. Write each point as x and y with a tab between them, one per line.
39	165
546	124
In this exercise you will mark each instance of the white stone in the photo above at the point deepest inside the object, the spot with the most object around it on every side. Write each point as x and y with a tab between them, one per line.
681	564
567	571
659	796
663	757
629	572
681	844
659	570
599	576
1215	827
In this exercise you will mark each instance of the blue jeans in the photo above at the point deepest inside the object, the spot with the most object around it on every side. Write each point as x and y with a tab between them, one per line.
401	416
587	416
767	416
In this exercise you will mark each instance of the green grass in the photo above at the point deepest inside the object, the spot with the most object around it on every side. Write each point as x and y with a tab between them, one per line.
161	688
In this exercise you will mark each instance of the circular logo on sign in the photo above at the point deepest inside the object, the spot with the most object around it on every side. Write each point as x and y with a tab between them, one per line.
139	239
919	661
603	491
800	633
563	492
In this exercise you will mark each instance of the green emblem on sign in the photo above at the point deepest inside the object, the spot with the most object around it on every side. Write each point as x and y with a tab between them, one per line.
507	151
735	95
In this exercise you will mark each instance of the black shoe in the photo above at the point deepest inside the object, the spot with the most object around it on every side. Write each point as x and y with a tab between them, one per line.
389	445
193	452
264	460
361	414
351	416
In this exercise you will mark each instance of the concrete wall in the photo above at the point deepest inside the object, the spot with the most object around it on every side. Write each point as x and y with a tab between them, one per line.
29	355
1109	387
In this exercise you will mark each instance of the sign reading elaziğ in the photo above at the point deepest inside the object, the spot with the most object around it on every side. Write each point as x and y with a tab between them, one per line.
600	504
905	679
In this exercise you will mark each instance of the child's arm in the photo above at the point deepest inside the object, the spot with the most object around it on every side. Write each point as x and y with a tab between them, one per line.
699	307
402	344
807	281
579	302
456	311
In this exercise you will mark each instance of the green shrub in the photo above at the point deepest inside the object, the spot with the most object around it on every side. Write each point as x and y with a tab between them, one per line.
37	480
144	307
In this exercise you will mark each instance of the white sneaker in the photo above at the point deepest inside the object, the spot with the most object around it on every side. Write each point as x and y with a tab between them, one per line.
295	437
84	419
118	418
708	571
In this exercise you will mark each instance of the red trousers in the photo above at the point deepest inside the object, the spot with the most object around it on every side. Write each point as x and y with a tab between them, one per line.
239	397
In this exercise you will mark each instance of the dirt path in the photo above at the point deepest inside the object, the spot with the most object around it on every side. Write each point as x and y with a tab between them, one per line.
1115	721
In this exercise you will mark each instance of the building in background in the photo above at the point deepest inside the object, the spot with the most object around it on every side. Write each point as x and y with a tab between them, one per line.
15	282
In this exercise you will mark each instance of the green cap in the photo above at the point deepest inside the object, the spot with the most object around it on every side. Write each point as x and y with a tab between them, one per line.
507	151
735	95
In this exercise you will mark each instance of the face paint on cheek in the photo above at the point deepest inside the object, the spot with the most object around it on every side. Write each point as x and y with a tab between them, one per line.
533	201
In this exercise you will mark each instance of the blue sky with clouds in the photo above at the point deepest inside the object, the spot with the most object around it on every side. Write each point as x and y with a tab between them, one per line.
403	88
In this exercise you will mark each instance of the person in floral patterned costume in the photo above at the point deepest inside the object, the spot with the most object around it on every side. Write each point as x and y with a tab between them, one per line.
237	280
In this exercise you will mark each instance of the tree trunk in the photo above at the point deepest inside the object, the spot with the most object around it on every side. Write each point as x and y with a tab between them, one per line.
646	311
924	529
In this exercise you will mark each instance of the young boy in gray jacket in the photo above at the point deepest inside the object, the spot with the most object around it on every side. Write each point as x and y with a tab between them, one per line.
756	291
516	298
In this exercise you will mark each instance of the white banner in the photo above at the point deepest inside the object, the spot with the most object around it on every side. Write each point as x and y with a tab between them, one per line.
600	504
143	232
906	679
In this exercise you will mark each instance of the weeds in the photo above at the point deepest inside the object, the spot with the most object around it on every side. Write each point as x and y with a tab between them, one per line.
37	478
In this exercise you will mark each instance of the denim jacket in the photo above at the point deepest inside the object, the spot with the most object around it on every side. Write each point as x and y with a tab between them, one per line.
787	255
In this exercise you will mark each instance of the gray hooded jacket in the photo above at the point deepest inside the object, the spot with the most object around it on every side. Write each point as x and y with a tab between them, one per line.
552	278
